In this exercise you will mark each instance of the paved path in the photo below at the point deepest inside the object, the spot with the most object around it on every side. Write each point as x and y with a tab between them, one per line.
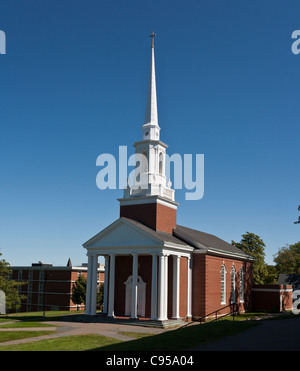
76	328
279	334
274	335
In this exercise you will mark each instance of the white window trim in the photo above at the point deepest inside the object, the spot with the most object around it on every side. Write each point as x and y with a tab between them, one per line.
232	285
223	292
242	285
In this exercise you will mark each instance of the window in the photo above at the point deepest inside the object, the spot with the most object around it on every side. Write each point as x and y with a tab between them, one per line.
41	286
232	273
160	163
29	286
242	285
40	299
41	275
223	284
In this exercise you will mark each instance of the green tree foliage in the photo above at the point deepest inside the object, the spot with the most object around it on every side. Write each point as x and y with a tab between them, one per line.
254	246
12	297
100	295
79	290
287	259
272	275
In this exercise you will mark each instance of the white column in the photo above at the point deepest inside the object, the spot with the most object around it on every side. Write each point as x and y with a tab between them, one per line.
161	279
154	288
176	275
88	285
105	304
94	286
134	286
166	288
111	295
189	287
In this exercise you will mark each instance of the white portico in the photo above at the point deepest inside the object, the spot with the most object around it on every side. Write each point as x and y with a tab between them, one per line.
127	237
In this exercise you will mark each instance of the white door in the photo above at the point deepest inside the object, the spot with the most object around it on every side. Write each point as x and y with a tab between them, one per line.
141	296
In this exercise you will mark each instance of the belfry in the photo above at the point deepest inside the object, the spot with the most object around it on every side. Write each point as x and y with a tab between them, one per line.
154	268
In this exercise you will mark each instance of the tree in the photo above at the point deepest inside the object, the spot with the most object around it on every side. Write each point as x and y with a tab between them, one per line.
100	296
12	297
298	221
287	259
272	275
79	291
254	246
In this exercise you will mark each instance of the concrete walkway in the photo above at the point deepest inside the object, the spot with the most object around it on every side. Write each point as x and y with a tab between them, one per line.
273	335
78	328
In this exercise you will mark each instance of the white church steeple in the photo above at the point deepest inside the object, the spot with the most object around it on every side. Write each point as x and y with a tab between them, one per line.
150	127
150	181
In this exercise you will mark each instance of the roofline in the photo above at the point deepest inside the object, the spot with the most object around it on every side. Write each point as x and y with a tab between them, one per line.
213	251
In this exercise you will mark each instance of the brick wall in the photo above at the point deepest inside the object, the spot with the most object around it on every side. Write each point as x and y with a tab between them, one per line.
153	215
272	298
207	284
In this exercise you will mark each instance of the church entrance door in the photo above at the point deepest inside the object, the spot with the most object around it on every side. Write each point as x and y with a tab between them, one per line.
141	296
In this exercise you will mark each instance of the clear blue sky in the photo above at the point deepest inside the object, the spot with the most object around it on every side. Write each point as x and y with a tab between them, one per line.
73	86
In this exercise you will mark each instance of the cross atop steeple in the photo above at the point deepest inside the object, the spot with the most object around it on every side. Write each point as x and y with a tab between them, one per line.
152	35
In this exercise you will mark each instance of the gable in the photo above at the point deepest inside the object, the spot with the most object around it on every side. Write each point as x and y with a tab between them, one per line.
122	234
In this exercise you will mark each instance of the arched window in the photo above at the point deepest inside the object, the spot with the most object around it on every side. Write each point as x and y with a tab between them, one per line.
232	294
145	167
160	163
242	284
223	284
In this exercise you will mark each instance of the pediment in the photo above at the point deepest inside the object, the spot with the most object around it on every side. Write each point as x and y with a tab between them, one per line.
122	234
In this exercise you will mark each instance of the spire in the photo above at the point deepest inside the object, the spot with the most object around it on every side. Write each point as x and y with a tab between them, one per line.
151	106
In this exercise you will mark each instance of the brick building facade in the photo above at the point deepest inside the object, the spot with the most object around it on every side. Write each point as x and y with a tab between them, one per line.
50	287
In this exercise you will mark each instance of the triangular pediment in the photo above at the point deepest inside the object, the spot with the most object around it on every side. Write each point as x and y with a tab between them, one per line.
122	233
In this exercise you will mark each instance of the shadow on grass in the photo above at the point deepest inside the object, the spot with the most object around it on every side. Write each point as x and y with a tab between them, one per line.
182	338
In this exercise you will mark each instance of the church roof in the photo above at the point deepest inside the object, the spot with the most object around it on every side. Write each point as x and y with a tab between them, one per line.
205	242
202	242
163	236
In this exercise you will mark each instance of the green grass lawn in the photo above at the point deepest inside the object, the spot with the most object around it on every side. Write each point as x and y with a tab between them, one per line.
66	343
16	335
178	339
183	338
173	340
21	324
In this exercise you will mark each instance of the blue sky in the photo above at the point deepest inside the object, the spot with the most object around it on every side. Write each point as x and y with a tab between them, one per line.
74	84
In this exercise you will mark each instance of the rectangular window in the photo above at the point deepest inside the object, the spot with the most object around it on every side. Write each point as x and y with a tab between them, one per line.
41	286
41	275
40	299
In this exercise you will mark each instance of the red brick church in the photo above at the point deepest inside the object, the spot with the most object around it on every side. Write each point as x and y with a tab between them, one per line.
155	268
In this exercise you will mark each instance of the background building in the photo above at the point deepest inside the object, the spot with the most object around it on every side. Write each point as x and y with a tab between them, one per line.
50	287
